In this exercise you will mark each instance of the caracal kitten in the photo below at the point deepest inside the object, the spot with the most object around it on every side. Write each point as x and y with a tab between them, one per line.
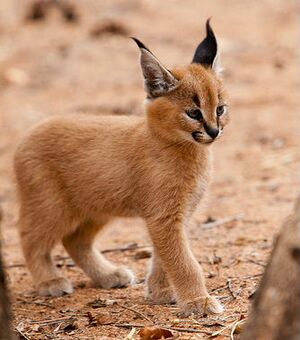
75	173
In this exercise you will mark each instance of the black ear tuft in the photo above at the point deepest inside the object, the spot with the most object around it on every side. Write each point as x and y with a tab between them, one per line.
140	44
206	51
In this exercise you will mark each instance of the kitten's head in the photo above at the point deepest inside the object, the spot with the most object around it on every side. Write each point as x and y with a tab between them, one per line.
187	103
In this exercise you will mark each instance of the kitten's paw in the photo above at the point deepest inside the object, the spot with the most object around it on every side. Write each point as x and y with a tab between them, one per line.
161	295
201	306
159	289
119	277
55	287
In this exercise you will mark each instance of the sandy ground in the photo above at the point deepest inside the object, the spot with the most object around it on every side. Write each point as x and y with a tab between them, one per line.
55	66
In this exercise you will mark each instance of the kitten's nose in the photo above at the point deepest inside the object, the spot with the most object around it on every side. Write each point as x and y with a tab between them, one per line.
211	131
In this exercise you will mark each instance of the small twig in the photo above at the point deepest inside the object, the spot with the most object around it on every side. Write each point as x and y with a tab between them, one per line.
226	286
22	309
218	289
223	329
253	221
255	262
246	277
177	329
232	292
36	303
214	323
121	249
54	321
188	330
130	335
22	334
222	221
122	325
135	311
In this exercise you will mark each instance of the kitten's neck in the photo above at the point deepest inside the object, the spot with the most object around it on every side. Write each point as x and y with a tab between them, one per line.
181	147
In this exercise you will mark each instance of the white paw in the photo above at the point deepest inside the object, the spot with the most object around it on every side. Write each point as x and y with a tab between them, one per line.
55	287
201	306
119	277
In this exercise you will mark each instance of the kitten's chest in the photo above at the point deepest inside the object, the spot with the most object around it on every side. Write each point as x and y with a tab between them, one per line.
196	184
180	181
197	191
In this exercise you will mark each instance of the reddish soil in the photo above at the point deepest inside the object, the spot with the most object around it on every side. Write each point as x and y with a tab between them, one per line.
58	65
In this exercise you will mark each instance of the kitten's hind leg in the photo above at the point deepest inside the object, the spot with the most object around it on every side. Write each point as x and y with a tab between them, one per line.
37	245
158	286
80	245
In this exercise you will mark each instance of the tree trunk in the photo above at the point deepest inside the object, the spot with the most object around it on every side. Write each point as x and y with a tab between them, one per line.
5	333
275	313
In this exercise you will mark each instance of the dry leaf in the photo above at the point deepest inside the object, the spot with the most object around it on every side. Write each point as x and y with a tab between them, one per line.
92	319
142	254
36	328
98	303
99	319
240	327
240	241
209	219
149	333
215	259
67	326
103	319
70	327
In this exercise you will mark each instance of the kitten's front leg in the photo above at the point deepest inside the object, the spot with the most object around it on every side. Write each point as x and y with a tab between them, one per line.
183	270
158	286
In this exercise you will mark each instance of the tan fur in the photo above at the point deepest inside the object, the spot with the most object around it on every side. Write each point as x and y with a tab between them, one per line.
76	173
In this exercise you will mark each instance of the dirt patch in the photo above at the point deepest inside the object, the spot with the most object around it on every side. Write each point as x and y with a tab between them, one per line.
109	28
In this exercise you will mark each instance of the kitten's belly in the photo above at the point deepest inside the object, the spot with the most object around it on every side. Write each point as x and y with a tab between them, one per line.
111	207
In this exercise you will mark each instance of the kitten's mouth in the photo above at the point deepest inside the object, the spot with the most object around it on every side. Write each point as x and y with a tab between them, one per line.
197	135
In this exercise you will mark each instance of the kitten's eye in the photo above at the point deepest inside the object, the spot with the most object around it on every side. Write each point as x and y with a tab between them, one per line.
195	114
221	110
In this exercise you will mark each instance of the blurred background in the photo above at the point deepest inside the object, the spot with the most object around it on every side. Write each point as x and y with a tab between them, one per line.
63	57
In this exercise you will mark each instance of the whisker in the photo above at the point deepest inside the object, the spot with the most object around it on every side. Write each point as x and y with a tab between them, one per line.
179	143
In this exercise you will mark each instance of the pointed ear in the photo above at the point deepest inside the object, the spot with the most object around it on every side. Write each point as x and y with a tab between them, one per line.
206	52
158	79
